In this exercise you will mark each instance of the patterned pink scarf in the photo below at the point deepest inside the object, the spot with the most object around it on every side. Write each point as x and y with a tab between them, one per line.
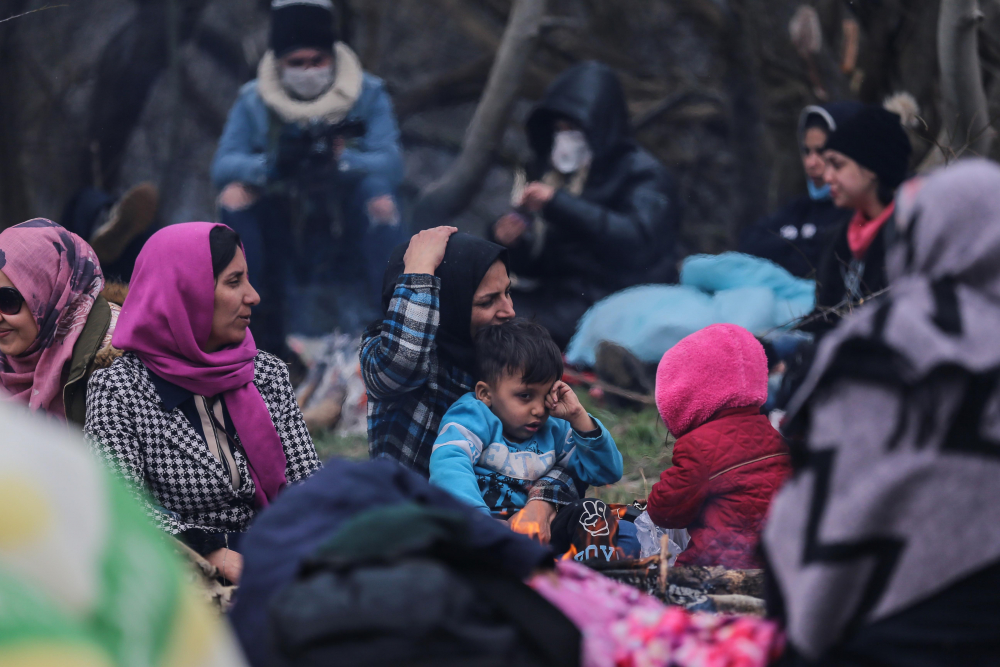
166	321
59	276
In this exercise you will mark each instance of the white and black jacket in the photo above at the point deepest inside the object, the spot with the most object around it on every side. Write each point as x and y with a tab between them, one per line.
166	460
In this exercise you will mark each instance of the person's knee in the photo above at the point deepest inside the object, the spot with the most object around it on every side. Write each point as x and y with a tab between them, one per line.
236	197
382	211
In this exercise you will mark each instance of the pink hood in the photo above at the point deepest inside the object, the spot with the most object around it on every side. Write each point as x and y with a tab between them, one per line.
722	366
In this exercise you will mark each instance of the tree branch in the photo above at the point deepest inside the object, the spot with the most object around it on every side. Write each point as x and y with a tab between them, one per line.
451	193
966	116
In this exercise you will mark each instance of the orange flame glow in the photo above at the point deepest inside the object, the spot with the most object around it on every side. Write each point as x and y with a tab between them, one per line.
529	528
569	555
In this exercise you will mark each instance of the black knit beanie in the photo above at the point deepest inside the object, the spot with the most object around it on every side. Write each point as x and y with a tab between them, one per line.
875	139
302	24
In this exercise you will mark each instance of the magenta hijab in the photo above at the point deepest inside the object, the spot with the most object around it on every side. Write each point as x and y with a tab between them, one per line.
166	321
59	276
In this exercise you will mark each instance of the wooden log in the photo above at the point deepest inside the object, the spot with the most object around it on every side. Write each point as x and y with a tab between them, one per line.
738	604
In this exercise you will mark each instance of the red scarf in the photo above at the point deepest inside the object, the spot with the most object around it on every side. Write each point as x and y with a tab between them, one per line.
861	231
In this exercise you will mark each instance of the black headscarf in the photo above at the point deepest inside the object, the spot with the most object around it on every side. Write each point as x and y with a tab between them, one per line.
466	261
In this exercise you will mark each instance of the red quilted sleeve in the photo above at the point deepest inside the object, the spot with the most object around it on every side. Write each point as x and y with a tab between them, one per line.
676	499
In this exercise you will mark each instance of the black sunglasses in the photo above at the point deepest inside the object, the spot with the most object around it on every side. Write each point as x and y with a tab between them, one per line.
10	301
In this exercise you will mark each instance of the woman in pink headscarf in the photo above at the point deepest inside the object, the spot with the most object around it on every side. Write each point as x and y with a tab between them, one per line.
54	320
203	425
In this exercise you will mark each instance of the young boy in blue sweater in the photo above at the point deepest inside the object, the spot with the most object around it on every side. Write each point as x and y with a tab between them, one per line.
518	423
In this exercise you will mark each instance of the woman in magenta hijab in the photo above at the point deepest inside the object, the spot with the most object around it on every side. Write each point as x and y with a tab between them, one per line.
203	425
53	318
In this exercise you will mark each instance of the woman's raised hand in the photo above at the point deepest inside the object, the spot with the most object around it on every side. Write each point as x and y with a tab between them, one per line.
426	250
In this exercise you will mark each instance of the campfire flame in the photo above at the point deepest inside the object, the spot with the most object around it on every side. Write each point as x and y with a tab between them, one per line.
520	525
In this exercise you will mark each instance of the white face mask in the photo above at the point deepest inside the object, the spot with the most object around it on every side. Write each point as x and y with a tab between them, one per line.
570	151
307	83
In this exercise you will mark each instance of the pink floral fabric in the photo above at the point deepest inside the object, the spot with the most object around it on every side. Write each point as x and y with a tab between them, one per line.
623	627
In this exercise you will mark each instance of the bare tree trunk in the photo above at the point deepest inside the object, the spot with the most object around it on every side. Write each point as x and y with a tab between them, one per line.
966	116
450	194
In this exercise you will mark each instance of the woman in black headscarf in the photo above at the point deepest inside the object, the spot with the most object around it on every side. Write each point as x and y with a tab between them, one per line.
438	291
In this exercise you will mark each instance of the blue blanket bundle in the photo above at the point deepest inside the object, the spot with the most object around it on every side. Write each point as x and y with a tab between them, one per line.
731	288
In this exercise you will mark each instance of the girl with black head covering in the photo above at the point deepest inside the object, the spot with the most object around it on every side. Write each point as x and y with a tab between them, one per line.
867	155
439	289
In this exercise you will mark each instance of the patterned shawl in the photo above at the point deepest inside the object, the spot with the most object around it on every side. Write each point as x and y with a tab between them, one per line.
59	276
895	433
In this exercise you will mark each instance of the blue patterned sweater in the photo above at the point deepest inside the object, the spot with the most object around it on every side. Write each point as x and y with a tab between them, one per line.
473	461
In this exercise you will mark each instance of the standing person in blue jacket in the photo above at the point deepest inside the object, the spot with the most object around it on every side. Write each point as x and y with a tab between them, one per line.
518	423
308	165
797	235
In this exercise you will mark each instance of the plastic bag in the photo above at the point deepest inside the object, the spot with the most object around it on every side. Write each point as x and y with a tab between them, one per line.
649	535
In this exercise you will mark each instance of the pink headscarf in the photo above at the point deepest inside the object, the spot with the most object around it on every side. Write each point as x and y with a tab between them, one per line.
166	321
721	366
59	276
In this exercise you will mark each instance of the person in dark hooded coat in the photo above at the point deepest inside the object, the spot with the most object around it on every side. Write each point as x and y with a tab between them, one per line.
598	214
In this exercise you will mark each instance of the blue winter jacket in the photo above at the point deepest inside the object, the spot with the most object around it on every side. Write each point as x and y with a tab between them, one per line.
475	463
377	161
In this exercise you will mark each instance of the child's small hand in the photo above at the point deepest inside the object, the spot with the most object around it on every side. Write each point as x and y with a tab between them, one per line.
534	520
563	403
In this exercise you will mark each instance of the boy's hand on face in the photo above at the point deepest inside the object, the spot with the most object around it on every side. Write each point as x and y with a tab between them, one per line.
563	403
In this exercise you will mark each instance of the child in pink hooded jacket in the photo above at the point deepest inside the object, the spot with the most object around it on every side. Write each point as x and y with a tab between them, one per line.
728	460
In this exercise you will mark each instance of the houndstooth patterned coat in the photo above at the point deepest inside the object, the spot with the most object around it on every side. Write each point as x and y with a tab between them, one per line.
167	463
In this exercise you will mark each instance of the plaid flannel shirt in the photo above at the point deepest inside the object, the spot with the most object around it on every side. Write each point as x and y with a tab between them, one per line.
410	387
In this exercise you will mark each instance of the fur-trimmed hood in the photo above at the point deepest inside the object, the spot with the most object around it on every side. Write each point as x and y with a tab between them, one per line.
332	106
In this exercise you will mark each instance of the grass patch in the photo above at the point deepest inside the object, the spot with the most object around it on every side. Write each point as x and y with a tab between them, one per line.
643	442
353	447
639	434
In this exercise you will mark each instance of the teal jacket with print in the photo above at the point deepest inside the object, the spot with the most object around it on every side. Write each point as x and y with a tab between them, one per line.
473	461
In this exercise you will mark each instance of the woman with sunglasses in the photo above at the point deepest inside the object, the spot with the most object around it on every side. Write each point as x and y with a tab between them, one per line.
55	320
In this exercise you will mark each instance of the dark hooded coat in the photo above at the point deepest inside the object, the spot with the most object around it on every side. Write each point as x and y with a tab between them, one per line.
796	237
620	231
